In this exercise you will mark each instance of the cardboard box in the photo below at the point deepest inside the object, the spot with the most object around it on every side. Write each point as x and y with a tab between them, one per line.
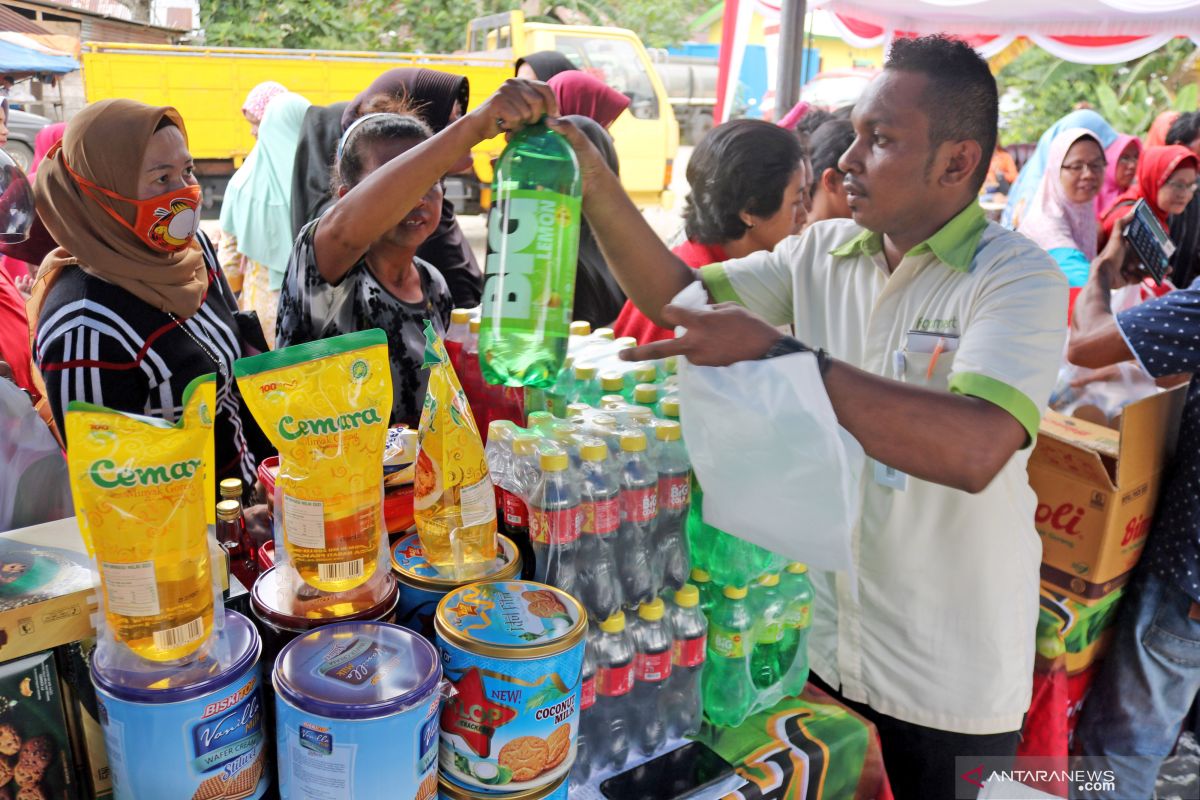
1096	489
47	594
1078	631
87	735
33	720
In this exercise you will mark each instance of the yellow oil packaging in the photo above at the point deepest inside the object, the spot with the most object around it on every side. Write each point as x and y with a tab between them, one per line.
142	489
325	406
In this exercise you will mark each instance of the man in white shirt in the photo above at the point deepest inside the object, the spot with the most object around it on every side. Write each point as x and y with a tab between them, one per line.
938	335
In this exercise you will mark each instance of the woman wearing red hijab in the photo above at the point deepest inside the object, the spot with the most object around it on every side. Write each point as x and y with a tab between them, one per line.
581	94
1157	135
1166	180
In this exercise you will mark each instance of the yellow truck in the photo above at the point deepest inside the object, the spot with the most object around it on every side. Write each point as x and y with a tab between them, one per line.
208	85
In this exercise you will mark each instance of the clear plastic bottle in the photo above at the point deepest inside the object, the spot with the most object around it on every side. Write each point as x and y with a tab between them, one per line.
797	591
612	383
728	691
532	243
766	608
471	378
554	521
558	395
577	410
651	670
639	516
646	395
600	490
456	337
668	407
523	477
674	485
539	422
589	735
614	692
587	385
689	633
708	592
499	458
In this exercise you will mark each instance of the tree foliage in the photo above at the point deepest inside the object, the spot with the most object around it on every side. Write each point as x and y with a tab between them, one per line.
1041	88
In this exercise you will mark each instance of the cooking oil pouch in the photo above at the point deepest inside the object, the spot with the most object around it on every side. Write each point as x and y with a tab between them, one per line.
454	503
142	490
325	405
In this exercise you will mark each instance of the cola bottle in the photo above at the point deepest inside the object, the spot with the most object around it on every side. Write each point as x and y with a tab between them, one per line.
689	631
651	670
674	482
499	459
589	736
600	489
456	337
554	520
524	474
614	692
639	515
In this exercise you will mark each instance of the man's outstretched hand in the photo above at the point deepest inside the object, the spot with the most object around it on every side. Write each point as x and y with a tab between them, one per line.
716	337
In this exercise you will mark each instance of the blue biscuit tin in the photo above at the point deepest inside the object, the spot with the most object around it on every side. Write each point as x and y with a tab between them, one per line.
422	587
194	732
356	713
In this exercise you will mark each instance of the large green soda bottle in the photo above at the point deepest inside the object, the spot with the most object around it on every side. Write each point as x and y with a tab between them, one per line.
797	592
532	247
725	682
767	609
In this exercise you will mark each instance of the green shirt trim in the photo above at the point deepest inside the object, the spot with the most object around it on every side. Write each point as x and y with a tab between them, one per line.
954	244
716	280
1001	394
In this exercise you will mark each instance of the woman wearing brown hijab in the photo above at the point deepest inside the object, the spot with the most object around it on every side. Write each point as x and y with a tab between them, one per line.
131	306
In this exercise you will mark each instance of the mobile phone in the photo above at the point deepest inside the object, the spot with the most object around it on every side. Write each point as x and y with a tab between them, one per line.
674	775
1145	234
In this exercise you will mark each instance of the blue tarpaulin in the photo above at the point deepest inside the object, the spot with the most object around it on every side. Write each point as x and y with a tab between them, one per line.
14	58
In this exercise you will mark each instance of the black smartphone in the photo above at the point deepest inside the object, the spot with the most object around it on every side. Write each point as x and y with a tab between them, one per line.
1153	246
677	774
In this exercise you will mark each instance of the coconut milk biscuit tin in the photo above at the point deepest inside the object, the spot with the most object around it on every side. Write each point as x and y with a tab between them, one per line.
356	713
513	652
422	587
194	732
555	791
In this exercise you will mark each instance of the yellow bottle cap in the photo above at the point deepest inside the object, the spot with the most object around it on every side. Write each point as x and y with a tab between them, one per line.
554	462
700	575
671	365
625	342
614	624
668	431
577	409
670	407
796	568
563	431
228	509
646	374
688	596
612	401
605	333
651	611
473	325
460	316
500	427
539	418
612	382
640	415
593	450
633	441
645	393
771	579
604	421
524	444
585	372
735	592
231	489
580	327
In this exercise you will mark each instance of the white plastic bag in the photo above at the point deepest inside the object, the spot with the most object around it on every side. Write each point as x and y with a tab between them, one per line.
34	483
776	467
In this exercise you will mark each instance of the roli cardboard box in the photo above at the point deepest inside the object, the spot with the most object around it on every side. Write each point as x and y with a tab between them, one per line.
47	594
1096	490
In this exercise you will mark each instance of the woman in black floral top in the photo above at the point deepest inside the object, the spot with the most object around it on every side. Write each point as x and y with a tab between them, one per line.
356	268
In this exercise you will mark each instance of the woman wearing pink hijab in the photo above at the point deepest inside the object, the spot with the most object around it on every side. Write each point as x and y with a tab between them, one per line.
256	102
1122	156
583	95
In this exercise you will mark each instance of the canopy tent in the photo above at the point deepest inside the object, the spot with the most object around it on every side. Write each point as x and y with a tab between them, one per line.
1082	31
22	54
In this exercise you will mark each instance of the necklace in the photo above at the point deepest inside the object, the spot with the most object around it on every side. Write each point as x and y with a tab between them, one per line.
220	364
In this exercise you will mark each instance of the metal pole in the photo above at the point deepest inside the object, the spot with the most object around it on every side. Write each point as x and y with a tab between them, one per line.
791	55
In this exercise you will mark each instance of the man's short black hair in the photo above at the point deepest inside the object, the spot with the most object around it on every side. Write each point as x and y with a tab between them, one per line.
1185	129
827	144
961	100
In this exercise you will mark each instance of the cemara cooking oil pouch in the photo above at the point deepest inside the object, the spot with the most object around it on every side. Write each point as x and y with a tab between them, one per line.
325	406
142	490
454	503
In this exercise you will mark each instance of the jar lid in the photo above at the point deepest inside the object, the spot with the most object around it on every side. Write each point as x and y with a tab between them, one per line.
412	568
514	619
323	607
175	684
357	670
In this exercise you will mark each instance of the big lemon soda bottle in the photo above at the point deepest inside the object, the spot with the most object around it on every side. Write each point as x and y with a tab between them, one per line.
532	247
142	488
325	406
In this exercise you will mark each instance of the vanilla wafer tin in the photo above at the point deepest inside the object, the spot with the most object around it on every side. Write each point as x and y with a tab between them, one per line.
193	733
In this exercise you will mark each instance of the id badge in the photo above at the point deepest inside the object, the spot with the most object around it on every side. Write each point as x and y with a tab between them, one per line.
890	477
